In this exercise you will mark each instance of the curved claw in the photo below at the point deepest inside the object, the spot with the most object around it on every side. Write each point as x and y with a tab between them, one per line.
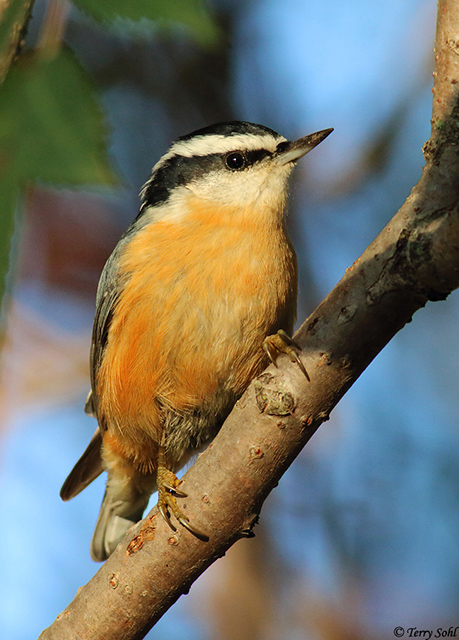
283	343
294	357
184	521
167	497
167	501
174	490
267	349
163	510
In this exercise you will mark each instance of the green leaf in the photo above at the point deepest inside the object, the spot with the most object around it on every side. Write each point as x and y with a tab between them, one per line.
51	130
51	123
165	13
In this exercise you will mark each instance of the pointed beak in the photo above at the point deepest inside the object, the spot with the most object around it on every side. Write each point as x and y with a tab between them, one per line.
293	151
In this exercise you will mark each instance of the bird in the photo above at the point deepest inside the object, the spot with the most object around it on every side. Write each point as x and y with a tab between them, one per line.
197	298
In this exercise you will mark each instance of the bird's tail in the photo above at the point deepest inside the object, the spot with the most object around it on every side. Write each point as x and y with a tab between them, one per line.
122	507
87	469
125	499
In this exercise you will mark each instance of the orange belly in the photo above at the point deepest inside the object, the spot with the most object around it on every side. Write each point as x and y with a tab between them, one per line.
187	332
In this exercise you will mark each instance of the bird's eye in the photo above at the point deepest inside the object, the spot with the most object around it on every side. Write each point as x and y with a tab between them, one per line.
235	161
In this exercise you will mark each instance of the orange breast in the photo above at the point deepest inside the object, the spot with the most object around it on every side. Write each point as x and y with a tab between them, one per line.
201	296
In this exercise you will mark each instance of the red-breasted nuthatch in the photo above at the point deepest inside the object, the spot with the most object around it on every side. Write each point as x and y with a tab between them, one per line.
197	297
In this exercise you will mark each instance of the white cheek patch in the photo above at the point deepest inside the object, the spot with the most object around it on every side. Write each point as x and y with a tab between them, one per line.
251	188
173	210
255	192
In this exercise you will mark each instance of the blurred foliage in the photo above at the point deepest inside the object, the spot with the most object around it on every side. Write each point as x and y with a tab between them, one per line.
51	126
165	13
51	130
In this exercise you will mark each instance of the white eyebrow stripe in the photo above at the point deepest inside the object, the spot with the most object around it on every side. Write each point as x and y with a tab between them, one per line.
217	143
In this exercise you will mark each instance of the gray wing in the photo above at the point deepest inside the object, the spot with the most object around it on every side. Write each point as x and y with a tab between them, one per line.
108	292
87	469
90	466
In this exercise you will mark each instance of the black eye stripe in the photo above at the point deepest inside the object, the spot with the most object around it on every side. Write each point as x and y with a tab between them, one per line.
180	170
282	146
239	159
256	155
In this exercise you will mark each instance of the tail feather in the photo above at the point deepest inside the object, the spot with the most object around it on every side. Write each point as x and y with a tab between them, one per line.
125	499
87	469
121	508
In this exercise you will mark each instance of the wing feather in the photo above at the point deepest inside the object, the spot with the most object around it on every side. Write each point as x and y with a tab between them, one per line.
90	466
87	469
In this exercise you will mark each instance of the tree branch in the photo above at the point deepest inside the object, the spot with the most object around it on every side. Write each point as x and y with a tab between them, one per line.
413	260
14	19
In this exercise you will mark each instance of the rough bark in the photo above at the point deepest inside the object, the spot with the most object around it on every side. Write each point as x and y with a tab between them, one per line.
14	18
414	259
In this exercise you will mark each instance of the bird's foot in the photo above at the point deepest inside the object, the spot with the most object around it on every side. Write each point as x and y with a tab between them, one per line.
168	492
281	342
